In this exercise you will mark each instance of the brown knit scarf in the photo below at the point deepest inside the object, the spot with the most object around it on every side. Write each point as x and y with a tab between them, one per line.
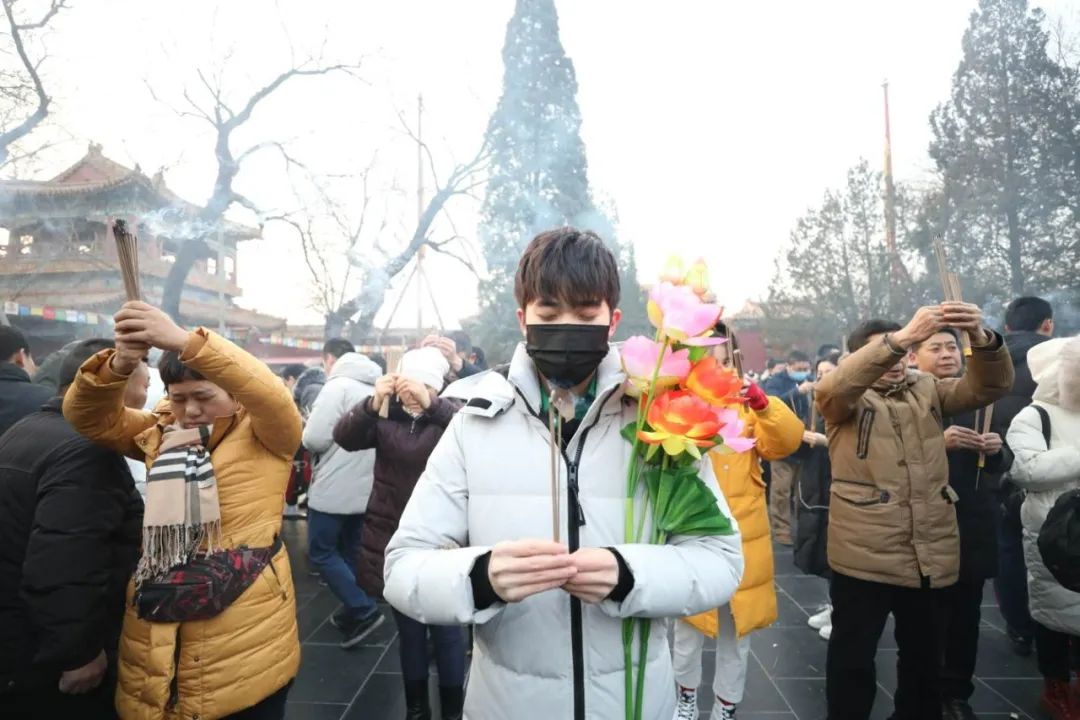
182	511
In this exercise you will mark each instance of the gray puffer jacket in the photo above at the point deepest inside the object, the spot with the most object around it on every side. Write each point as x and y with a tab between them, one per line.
488	481
342	480
1046	473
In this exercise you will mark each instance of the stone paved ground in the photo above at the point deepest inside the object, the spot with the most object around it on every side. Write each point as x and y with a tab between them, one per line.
786	677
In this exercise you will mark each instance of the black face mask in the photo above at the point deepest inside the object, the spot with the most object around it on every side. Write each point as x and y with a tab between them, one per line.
566	354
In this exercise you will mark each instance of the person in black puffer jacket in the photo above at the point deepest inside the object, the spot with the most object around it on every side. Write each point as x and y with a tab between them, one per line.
70	537
976	488
403	437
1029	321
18	396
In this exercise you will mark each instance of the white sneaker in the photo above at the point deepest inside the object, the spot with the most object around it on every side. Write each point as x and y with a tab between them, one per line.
687	708
826	632
821	619
721	711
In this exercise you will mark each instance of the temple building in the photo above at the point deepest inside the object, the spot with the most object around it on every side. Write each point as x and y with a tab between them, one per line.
59	275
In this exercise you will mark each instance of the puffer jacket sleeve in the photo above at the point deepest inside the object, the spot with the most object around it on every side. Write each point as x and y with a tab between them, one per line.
94	405
274	417
67	565
427	562
687	576
838	393
988	377
1034	466
777	431
331	404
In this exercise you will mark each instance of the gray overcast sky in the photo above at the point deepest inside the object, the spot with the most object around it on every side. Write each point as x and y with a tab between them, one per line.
710	125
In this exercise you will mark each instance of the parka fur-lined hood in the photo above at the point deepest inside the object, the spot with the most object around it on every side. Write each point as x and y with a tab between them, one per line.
1055	366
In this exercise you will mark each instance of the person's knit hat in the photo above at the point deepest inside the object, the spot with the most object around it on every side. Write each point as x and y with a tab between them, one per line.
426	365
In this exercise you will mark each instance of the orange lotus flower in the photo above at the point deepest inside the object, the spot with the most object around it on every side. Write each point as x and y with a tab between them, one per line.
715	384
680	421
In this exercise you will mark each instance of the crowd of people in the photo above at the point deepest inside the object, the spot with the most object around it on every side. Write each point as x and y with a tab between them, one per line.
905	470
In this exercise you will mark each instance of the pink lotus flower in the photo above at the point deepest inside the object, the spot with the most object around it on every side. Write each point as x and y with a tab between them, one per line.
731	430
639	357
679	313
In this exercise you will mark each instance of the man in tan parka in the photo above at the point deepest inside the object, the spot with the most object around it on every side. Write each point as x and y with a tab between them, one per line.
893	538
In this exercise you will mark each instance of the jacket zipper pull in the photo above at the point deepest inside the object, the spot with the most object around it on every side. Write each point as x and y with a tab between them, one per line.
572	488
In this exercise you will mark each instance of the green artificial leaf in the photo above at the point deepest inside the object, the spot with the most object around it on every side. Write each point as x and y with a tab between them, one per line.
698	353
629	432
686	506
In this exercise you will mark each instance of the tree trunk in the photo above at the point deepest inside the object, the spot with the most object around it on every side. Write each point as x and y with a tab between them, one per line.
190	252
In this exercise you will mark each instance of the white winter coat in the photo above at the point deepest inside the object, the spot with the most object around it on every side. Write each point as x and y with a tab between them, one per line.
1048	473
488	481
341	483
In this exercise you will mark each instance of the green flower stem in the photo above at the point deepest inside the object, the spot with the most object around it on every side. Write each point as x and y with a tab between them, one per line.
633	478
643	653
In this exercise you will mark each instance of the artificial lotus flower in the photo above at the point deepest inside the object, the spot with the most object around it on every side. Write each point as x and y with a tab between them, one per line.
697	278
731	430
674	270
680	421
639	358
715	384
679	314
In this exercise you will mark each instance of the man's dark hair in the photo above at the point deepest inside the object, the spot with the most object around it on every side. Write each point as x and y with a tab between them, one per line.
861	335
379	359
1026	314
481	358
461	341
771	363
826	350
337	347
76	356
569	266
173	371
12	341
796	356
952	331
292	370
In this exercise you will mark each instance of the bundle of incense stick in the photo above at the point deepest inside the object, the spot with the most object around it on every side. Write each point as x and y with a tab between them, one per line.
988	415
555	428
950	285
127	250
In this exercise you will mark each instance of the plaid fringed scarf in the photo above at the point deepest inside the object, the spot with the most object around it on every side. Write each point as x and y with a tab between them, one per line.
182	510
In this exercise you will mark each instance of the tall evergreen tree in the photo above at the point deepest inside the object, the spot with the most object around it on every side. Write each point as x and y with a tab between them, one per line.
539	172
1005	144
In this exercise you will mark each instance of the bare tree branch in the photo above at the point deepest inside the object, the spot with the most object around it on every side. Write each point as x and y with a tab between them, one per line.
43	101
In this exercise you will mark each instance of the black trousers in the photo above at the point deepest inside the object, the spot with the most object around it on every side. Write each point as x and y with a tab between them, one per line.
860	609
272	708
43	703
1053	649
960	615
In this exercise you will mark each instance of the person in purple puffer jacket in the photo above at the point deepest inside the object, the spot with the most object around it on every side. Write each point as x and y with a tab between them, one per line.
402	422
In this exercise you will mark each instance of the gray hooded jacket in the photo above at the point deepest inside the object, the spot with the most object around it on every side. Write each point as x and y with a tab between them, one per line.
341	483
487	482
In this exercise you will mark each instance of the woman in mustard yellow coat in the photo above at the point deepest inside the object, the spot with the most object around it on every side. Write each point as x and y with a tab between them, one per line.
777	433
244	658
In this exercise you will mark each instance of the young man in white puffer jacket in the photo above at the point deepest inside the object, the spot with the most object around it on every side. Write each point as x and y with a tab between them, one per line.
1046	473
474	545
